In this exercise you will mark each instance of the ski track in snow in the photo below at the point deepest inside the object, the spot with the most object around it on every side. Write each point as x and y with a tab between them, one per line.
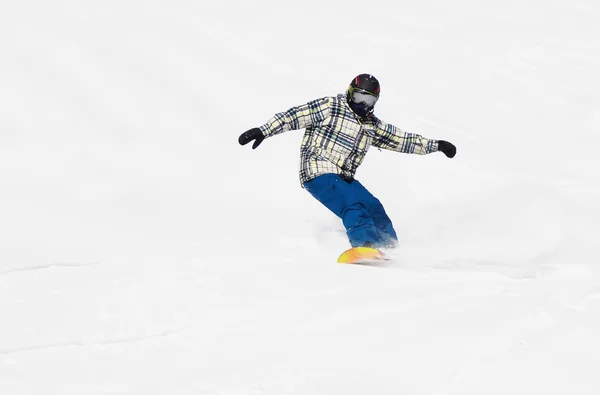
48	266
132	339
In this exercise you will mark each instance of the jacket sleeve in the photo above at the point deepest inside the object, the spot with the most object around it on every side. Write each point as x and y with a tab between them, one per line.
392	138
295	118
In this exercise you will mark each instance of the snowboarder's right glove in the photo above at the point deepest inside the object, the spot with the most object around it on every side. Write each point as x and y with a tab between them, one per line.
447	148
252	134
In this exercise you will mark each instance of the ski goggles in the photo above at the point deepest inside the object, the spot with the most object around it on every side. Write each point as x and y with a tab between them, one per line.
361	96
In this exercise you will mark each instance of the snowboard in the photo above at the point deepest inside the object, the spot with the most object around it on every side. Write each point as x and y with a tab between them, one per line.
362	255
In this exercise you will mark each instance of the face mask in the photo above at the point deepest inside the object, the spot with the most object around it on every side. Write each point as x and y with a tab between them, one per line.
360	109
361	101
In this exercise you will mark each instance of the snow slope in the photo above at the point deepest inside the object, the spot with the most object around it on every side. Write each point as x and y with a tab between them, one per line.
143	251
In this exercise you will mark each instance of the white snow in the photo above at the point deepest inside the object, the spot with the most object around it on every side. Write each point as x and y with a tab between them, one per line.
143	251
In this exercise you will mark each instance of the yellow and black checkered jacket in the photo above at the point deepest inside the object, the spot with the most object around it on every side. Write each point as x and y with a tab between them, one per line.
336	140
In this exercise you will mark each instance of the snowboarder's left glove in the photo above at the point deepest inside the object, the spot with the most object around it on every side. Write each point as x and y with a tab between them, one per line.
447	148
252	134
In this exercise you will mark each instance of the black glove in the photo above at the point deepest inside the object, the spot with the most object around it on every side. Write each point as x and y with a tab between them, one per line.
252	134
447	148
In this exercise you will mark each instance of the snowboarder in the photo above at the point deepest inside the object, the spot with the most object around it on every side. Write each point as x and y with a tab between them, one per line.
339	131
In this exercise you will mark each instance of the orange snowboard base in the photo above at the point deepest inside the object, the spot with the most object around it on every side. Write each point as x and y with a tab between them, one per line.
361	255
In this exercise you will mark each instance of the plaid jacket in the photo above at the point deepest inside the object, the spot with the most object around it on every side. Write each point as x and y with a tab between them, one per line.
336	140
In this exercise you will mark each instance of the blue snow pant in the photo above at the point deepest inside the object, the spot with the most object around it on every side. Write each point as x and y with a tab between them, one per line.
362	213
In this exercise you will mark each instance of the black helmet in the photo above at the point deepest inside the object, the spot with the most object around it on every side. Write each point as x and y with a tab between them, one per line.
363	93
367	83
